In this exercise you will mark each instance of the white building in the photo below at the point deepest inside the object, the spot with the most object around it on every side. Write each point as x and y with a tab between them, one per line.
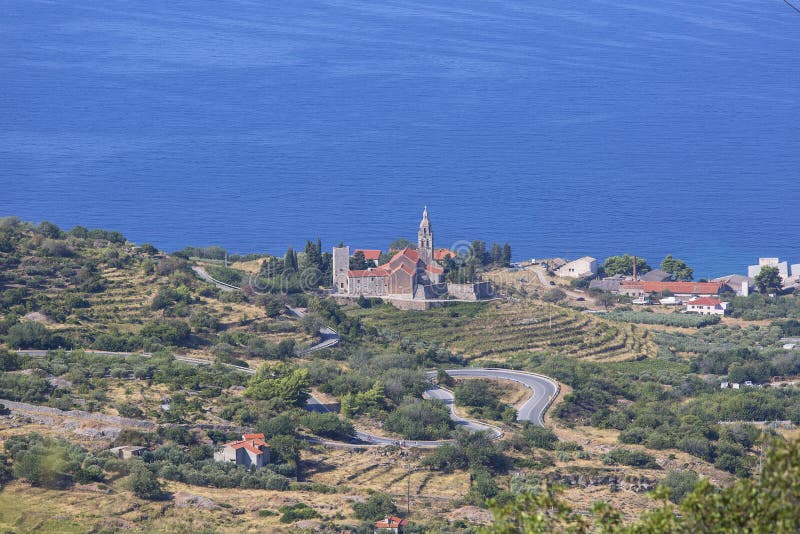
707	306
783	267
580	268
250	451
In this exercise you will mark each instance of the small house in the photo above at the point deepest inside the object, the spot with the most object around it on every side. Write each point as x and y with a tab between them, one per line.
707	306
390	524
250	451
126	452
580	268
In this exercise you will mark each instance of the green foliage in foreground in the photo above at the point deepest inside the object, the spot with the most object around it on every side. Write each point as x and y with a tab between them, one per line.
684	320
765	504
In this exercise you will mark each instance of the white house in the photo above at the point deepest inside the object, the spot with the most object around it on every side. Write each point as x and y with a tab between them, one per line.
783	267
580	268
707	306
250	451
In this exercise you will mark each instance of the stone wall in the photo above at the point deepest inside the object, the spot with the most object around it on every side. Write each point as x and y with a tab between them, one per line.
369	286
341	264
476	291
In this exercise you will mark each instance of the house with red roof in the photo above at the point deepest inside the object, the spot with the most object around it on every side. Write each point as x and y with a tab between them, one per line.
409	275
371	255
707	306
687	290
250	451
390	524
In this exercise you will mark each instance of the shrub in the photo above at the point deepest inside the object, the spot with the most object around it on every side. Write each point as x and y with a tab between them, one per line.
679	484
144	484
629	457
328	425
377	506
296	512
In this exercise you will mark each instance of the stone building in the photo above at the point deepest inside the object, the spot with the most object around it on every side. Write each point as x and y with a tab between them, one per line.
251	451
410	274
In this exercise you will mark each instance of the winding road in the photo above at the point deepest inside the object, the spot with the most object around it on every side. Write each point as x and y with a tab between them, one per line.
544	390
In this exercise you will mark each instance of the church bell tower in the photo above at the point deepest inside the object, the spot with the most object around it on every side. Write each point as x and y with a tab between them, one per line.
425	239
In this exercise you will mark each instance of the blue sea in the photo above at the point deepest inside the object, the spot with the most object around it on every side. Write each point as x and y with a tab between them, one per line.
565	128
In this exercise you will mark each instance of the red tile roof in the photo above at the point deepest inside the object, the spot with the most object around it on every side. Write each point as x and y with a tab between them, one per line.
692	288
435	269
391	522
253	445
405	268
705	301
252	436
440	254
369	254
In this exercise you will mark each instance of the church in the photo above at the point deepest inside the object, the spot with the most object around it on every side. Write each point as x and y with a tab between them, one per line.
410	275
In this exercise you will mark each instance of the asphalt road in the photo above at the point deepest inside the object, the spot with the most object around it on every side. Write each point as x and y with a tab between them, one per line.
543	389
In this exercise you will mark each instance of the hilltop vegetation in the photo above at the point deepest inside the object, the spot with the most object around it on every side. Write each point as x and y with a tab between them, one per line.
641	403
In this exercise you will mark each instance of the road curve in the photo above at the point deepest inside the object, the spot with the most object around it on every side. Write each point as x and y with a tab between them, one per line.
543	392
543	389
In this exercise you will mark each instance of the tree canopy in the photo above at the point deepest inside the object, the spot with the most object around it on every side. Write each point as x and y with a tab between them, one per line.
769	280
624	265
677	268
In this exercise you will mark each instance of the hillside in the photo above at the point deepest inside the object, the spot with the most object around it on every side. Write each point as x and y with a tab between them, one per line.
189	367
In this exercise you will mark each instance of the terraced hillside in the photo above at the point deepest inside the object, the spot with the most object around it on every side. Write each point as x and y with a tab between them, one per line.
93	289
497	330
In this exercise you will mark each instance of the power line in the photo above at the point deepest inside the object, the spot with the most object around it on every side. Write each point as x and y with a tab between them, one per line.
788	3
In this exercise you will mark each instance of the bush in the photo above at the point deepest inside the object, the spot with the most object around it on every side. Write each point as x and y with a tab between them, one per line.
377	506
328	425
296	512
679	484
420	419
629	457
539	437
144	484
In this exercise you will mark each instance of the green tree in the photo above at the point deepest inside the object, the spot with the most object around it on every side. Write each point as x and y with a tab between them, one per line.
677	268
290	261
769	280
605	299
496	254
288	383
51	230
377	506
624	265
506	257
477	255
358	262
144	484
444	379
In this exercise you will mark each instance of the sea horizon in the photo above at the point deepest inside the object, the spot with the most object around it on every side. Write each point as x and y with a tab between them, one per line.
591	128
